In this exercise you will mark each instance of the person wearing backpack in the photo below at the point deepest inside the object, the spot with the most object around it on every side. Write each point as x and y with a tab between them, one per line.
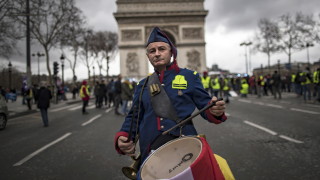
306	80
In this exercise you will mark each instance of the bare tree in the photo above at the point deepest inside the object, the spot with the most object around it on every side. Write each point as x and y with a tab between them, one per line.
73	40
48	23
105	46
294	30
9	33
267	38
87	48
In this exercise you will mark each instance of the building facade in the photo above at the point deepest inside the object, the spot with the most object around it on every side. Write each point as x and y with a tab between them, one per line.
182	20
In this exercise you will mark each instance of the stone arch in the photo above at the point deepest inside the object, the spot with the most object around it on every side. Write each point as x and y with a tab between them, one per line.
183	21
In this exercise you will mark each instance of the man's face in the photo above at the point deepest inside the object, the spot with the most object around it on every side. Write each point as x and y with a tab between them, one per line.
159	55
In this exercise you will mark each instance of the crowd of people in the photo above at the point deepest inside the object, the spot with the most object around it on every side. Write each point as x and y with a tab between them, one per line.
303	83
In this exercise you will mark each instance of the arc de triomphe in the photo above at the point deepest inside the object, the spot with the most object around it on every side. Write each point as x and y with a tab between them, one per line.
182	20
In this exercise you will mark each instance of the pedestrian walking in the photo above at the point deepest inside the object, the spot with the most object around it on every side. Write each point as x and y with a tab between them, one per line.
117	95
205	80
126	95
168	89
85	96
276	84
43	96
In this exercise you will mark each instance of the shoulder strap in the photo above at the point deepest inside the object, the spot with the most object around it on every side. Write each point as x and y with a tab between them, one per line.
159	99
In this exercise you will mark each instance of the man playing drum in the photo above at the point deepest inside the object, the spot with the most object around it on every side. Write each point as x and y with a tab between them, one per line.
168	95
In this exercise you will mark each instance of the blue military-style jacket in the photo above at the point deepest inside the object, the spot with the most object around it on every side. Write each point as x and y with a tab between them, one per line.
186	93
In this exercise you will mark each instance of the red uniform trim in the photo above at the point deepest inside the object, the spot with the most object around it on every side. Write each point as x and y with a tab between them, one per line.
118	134
158	123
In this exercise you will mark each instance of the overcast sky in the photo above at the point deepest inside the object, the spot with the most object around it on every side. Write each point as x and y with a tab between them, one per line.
228	23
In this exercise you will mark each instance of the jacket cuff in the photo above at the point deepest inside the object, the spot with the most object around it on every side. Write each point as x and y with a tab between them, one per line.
215	119
118	134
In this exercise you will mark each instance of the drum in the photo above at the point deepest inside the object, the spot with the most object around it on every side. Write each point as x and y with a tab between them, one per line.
183	158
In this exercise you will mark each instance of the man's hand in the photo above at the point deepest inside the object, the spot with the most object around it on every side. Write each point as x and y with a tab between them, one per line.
218	109
126	147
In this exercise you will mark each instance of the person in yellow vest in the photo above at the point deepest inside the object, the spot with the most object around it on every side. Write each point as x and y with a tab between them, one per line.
293	82
244	88
226	88
316	82
29	97
306	80
85	96
261	83
205	80
215	86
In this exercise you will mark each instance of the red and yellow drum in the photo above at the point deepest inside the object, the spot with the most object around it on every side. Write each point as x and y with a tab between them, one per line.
187	158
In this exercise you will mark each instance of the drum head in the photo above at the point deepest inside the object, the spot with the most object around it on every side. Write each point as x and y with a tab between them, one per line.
171	159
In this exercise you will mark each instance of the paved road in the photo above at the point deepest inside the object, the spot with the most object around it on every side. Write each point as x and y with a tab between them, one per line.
262	139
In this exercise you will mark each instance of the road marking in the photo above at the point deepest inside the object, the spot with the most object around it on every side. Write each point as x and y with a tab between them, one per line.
108	110
261	127
243	100
61	108
259	103
290	139
91	120
75	108
274	105
227	114
91	107
305	111
272	132
40	150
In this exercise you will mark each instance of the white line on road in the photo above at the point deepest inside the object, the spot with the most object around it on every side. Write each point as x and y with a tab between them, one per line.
259	103
108	110
261	127
290	139
92	106
40	150
61	108
274	105
243	100
305	111
91	120
75	108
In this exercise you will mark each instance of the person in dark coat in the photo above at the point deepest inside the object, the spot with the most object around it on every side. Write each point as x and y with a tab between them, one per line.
44	95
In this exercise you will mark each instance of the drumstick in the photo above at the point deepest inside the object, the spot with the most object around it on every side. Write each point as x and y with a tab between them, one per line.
192	116
131	126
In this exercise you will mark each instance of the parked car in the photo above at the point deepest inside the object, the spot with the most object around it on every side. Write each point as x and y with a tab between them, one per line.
3	112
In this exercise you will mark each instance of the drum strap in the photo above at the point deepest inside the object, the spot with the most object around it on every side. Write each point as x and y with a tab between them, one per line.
160	101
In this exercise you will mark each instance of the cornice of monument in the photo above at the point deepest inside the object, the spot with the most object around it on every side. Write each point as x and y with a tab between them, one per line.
153	1
159	14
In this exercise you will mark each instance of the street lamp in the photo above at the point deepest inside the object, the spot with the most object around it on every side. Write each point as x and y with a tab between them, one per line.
279	66
108	68
62	67
94	76
10	70
246	44
308	45
39	55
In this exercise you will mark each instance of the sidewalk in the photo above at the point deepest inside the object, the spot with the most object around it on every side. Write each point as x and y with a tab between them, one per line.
17	109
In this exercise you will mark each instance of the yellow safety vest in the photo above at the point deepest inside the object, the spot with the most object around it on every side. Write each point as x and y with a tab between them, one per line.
262	80
205	82
216	85
293	78
226	86
82	95
308	81
316	77
245	88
